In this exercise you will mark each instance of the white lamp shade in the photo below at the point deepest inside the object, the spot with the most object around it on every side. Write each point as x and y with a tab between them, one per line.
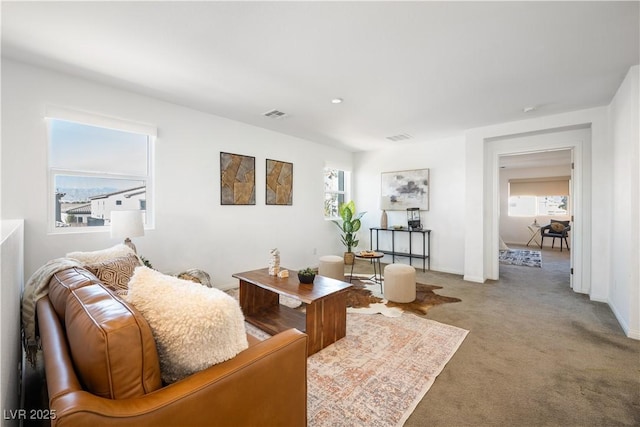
126	224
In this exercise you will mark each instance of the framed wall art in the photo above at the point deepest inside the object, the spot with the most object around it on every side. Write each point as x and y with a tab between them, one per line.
237	179
405	189
279	183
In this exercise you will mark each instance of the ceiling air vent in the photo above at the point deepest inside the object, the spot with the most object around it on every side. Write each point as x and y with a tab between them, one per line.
401	137
275	114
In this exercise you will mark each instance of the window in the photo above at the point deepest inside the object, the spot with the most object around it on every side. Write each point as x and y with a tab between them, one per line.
539	196
97	166
336	191
538	205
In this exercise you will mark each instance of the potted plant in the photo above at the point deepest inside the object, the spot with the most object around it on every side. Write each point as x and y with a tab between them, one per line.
349	225
306	275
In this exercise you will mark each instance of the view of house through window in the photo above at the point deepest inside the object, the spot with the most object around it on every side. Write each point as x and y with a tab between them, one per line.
95	170
538	205
336	188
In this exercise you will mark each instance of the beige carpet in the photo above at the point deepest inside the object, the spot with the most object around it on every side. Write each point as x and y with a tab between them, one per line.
378	373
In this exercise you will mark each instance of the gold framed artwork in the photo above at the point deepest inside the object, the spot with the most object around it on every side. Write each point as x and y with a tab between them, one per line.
237	179
405	189
279	183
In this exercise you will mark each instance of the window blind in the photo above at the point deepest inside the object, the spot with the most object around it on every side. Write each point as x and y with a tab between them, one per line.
548	186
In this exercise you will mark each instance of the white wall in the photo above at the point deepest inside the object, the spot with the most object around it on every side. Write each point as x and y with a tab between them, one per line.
11	287
192	229
624	290
445	217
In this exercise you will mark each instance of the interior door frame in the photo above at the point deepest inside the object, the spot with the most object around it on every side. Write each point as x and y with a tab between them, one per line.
505	145
570	198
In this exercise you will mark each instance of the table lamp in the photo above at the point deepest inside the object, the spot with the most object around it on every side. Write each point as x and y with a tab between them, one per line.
127	224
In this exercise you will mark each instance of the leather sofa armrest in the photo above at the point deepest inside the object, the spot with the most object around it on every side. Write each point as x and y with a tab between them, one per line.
264	385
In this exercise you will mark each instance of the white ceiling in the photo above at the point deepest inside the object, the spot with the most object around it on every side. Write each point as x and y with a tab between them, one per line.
426	69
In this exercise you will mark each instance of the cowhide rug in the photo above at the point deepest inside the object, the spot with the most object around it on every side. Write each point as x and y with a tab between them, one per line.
362	296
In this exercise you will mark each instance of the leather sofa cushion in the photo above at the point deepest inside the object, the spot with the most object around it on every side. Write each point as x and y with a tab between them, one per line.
63	282
112	346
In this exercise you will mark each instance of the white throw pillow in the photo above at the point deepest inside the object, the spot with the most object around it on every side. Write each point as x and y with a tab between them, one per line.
117	251
194	326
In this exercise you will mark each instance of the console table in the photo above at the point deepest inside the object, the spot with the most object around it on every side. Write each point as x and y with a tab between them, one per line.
426	245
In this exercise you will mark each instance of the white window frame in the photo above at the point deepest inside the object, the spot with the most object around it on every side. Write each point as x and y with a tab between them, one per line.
346	192
91	119
536	201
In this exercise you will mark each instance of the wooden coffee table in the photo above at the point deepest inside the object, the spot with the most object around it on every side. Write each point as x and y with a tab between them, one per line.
325	319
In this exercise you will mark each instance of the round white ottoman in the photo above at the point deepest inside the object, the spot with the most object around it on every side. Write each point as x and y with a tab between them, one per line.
399	283
331	266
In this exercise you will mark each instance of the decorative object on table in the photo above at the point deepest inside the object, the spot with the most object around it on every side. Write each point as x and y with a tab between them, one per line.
413	219
306	275
127	224
283	274
237	179
404	189
197	276
384	220
279	183
367	253
349	225
274	262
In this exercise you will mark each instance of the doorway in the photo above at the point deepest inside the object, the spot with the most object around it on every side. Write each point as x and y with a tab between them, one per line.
535	188
578	140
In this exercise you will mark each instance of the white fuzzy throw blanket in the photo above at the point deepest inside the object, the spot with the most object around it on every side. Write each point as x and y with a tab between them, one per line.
37	287
194	326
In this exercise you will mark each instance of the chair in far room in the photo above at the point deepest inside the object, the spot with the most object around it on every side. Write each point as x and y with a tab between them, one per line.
556	230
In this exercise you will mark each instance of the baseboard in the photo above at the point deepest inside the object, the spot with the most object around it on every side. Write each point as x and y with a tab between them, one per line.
630	333
437	269
596	298
476	279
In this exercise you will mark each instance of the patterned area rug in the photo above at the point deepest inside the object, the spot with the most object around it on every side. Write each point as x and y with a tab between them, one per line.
521	257
379	372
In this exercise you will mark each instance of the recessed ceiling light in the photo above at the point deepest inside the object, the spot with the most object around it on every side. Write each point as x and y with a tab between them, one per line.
337	100
528	109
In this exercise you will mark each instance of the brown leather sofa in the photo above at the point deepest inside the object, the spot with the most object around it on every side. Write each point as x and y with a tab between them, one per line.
102	368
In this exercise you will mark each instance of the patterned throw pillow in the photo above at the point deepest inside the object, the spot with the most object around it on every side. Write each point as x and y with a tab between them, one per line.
558	227
115	273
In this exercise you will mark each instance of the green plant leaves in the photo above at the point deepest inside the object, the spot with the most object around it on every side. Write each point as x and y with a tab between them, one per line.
350	224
